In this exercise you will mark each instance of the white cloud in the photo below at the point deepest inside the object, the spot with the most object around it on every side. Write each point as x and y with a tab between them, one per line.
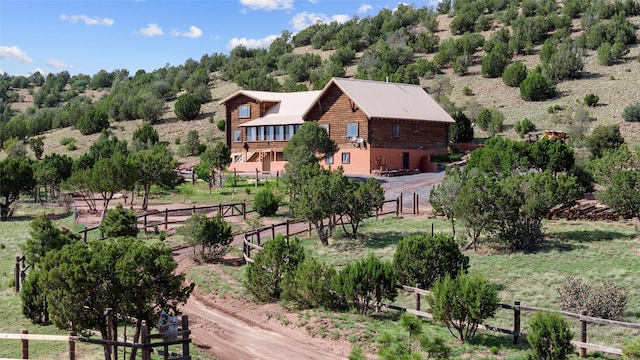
268	4
87	20
14	53
364	8
57	64
152	30
193	33
304	19
314	1
252	43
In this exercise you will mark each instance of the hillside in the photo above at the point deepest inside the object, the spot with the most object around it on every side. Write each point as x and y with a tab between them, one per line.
617	86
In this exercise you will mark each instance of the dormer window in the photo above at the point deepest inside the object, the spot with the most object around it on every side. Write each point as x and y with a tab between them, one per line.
244	111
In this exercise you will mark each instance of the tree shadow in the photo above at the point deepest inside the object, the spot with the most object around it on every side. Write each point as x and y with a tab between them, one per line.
589	236
375	241
500	341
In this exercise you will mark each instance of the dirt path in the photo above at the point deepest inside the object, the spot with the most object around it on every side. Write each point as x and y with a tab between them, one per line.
232	329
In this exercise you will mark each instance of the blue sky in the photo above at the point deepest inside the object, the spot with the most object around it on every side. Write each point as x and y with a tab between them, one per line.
84	37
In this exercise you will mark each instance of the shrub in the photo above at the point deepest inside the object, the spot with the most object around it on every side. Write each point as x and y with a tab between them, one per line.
461	131
34	302
119	222
365	283
632	113
496	125
591	100
67	140
484	118
309	286
187	107
549	337
477	300
522	235
537	87
493	65
92	121
209	237
277	259
221	124
604	137
146	134
631	349
606	301
514	74
467	91
265	203
425	258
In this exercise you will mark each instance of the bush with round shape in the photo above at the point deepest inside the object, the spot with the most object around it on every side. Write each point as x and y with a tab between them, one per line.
591	100
221	124
277	259
425	258
514	74
604	137
632	113
266	203
119	222
476	300
631	349
309	286
537	87
187	107
549	337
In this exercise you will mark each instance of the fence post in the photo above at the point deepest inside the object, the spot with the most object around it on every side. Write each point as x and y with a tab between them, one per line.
258	236
72	345
400	203
309	230
583	334
397	207
144	222
256	177
193	210
277	177
516	321
17	274
85	234
146	342
185	337
417	204
287	231
244	209
166	218
25	346
273	231
418	285
432	229
413	203
221	211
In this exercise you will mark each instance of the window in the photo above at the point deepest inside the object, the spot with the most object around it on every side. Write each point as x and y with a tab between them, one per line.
289	132
279	130
396	130
415	128
260	133
346	158
268	133
326	126
352	131
328	159
251	133
244	111
237	136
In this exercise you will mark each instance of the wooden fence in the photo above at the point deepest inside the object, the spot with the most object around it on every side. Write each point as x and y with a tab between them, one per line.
582	344
149	344
253	239
151	220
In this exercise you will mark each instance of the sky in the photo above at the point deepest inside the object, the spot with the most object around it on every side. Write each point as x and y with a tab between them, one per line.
86	36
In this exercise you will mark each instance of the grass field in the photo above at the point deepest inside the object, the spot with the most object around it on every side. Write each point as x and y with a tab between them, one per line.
593	251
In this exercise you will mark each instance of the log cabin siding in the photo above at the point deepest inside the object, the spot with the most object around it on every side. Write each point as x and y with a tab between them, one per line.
257	110
429	135
336	109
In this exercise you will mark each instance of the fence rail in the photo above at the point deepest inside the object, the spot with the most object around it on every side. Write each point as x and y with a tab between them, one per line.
253	240
517	308
148	344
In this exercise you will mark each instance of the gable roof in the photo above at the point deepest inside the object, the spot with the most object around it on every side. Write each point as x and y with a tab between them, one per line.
288	109
389	100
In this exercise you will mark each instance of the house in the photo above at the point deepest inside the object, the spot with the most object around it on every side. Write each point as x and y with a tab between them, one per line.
376	125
